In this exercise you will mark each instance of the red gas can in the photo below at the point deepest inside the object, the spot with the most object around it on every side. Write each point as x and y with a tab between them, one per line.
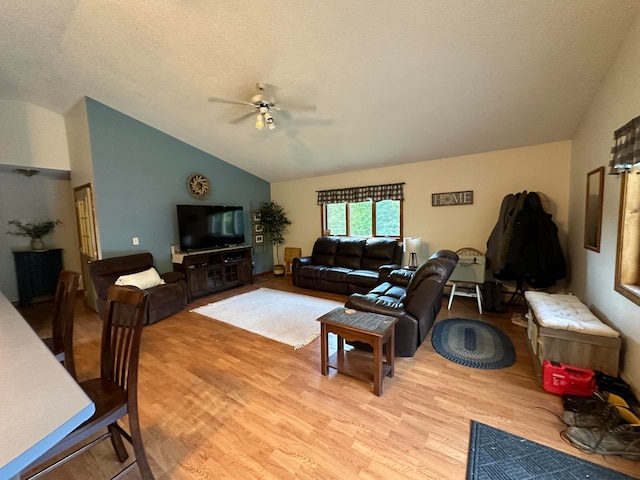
559	378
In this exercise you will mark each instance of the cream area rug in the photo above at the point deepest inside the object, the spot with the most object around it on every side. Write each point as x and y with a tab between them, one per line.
281	316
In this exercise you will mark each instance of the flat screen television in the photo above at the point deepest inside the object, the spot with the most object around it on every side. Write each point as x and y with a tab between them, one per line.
202	227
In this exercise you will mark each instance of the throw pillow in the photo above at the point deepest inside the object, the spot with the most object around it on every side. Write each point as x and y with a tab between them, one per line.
142	280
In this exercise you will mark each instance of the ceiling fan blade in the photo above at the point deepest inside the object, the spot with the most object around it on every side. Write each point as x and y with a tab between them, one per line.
243	117
284	114
299	107
233	102
313	122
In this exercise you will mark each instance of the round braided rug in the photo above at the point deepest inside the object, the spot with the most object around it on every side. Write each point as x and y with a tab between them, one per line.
473	343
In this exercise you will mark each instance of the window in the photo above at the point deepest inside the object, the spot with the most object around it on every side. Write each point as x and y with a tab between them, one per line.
364	219
372	211
628	264
626	162
335	218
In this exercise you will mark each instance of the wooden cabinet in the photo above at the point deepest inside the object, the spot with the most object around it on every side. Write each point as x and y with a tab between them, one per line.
37	273
212	271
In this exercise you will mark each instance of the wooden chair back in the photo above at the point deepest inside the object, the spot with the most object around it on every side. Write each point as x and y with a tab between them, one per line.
121	335
114	393
62	322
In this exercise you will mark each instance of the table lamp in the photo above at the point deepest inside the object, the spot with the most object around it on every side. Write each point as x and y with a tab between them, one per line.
412	246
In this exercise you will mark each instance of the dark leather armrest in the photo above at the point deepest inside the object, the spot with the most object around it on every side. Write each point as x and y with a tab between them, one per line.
301	262
401	277
384	271
172	277
374	305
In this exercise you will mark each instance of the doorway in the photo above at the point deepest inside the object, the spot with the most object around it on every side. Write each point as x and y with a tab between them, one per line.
88	238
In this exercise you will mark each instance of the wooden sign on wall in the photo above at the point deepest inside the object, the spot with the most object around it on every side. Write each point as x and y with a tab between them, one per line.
452	198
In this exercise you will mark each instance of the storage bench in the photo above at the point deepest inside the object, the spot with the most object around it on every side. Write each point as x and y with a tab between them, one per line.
562	329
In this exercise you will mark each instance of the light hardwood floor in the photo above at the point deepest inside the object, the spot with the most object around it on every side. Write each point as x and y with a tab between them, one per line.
217	402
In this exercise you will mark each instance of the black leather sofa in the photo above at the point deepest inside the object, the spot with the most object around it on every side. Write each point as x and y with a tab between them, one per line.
414	297
164	299
346	265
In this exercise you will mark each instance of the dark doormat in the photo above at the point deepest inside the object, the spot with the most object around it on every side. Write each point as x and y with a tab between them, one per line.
494	454
473	343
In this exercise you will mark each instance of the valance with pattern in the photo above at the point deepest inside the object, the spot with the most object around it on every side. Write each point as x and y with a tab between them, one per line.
626	151
374	193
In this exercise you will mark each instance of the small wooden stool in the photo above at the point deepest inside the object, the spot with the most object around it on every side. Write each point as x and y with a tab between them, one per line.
289	254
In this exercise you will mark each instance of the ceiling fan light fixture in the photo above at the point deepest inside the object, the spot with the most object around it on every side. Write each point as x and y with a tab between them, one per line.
259	122
261	104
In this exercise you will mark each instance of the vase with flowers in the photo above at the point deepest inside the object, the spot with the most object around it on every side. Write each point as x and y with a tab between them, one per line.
34	230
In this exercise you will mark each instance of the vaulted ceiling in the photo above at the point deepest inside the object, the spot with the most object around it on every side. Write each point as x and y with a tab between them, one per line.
392	82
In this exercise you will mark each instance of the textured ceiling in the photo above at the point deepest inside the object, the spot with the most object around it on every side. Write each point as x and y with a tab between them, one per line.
393	82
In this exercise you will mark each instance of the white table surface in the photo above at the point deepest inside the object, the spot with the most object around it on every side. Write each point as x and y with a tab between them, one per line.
40	403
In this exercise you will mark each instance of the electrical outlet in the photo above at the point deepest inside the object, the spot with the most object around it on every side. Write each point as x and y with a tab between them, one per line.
136	241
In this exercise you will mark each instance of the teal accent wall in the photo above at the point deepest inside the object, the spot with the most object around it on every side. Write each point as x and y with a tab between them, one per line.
140	176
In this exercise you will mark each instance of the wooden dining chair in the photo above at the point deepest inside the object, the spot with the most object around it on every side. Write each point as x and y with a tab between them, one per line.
115	392
61	341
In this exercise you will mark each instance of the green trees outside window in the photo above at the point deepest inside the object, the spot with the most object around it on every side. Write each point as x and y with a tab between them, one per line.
361	219
365	219
336	218
388	218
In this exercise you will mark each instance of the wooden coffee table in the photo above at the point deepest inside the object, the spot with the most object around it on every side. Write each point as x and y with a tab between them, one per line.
370	328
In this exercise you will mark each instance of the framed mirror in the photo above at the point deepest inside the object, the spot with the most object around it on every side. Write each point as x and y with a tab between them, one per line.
593	209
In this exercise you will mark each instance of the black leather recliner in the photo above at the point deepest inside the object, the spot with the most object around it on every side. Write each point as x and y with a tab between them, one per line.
414	297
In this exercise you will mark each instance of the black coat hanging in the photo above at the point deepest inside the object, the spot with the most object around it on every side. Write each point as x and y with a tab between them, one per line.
524	243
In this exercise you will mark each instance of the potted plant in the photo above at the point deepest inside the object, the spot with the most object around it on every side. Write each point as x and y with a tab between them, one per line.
274	223
35	231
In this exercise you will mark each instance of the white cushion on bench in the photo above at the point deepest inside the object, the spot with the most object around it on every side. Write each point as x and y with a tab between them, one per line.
566	312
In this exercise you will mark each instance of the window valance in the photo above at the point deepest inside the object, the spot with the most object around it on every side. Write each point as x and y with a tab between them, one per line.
374	193
626	150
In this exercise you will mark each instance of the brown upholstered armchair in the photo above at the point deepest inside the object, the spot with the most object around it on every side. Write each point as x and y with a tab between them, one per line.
415	298
165	299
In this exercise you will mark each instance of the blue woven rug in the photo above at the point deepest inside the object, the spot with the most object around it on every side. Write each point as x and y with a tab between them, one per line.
473	343
494	454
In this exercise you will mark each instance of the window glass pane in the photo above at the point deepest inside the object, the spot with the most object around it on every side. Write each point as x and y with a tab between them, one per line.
337	218
388	218
630	243
360	219
628	262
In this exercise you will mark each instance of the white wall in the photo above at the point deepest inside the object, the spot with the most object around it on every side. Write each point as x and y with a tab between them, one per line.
80	158
78	139
491	176
34	138
33	199
592	274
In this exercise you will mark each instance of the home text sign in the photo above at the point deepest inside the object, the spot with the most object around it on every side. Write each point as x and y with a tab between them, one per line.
452	198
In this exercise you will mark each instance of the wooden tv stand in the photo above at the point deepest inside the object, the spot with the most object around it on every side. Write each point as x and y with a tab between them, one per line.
215	270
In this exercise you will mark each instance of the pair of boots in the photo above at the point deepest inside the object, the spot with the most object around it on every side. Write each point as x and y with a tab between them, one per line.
492	297
603	424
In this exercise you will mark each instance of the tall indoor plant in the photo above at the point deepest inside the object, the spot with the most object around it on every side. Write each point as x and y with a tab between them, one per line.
35	231
274	224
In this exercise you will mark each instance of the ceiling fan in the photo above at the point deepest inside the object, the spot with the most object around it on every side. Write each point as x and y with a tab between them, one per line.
262	104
